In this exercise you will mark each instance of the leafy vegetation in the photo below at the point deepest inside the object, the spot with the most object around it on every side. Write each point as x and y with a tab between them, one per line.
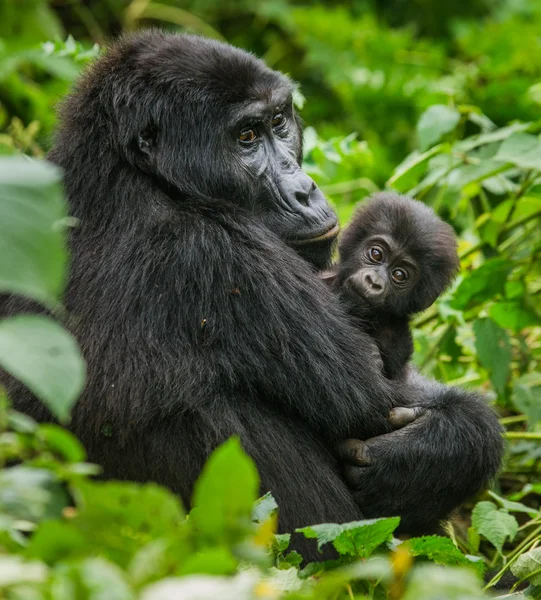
436	100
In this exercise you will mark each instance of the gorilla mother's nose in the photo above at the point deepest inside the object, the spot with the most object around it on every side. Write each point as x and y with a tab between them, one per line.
298	188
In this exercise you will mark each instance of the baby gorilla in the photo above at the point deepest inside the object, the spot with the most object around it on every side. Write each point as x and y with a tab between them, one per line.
396	258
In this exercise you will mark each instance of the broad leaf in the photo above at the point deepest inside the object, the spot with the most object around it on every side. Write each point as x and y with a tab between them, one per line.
528	564
225	493
435	122
15	570
441	550
119	518
45	357
432	582
264	508
408	172
31	494
482	284
494	523
514	506
358	538
527	396
32	253
522	150
494	350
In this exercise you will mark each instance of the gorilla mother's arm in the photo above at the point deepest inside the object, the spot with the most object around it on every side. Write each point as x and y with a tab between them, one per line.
449	446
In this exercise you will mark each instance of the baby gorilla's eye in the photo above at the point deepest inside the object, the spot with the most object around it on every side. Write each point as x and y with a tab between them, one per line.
278	121
247	136
399	275
376	254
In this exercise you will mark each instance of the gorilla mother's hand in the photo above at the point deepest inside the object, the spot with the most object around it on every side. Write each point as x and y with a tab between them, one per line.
357	453
445	449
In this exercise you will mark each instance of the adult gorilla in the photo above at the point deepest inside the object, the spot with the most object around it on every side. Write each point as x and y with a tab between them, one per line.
200	315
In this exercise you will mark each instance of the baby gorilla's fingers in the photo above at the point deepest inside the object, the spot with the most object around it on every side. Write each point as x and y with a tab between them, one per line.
355	452
404	415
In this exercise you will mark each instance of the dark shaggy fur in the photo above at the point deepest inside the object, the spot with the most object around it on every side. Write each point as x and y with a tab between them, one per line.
198	321
410	236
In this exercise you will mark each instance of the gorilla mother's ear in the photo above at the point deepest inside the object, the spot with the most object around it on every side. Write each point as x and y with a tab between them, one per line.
146	140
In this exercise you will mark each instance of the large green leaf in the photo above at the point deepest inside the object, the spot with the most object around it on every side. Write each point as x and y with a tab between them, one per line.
528	566
522	150
432	582
435	122
494	351
31	494
118	518
527	396
225	493
32	253
45	357
439	549
495	524
482	284
358	538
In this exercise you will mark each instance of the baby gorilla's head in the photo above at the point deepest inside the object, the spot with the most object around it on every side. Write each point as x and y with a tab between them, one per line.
397	255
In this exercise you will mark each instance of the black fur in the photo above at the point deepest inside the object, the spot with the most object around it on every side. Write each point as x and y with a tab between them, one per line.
198	321
410	236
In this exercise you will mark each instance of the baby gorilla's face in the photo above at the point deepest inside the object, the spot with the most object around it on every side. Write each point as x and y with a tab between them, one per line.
384	276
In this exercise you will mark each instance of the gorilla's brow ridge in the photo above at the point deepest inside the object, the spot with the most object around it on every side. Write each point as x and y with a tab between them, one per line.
258	109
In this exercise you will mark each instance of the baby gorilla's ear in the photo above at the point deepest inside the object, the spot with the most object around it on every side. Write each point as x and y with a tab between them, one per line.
329	276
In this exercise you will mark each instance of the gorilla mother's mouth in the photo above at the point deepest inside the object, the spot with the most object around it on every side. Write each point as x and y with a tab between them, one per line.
328	234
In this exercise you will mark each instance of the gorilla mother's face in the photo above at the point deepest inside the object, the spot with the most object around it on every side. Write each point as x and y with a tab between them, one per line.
229	131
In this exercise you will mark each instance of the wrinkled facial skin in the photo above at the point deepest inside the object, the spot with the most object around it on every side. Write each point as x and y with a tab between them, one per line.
384	276
269	148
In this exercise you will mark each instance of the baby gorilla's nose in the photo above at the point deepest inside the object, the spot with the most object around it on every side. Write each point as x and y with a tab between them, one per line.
373	282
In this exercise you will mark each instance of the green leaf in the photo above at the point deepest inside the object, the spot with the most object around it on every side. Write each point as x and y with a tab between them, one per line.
54	541
514	506
264	508
494	351
527	564
281	542
118	518
522	150
45	357
14	570
63	442
483	139
512	315
199	587
526	396
212	561
103	580
494	523
31	494
32	253
408	172
431	582
482	284
225	493
441	550
435	122
358	538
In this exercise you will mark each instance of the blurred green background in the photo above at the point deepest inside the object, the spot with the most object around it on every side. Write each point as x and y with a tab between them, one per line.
441	100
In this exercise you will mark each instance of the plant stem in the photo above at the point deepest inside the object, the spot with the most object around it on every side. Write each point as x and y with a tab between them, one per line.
522	435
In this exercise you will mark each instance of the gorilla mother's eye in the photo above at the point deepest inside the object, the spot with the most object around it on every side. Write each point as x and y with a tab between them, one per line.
278	121
376	254
247	136
399	275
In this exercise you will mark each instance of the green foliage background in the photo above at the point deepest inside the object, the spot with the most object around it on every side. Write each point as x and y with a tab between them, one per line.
439	100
